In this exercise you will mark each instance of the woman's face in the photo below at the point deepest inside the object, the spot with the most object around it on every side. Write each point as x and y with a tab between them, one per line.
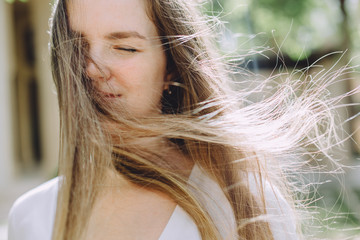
126	60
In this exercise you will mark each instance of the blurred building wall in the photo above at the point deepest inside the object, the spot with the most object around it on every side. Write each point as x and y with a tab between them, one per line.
7	164
49	117
27	93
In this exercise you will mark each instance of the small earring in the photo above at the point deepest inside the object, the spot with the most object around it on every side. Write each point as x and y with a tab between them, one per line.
167	88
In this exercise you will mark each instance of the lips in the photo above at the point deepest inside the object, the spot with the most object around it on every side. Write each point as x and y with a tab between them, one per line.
109	95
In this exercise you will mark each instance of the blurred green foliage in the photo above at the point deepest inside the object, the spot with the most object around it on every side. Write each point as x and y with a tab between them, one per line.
288	8
299	27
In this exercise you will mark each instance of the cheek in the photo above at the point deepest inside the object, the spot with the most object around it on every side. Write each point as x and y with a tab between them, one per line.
142	73
129	72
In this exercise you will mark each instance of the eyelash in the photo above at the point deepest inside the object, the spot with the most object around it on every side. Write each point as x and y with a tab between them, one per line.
130	50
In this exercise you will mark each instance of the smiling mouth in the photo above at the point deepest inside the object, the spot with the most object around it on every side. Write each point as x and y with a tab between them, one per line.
110	95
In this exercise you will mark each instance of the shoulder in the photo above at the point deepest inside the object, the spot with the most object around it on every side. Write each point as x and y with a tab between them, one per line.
279	213
32	215
208	191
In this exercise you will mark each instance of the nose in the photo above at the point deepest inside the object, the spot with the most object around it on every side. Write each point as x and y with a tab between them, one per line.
97	71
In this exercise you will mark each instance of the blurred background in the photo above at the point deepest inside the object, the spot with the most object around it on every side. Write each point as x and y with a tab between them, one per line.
303	30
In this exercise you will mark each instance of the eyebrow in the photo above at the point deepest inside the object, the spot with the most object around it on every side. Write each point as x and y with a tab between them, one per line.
122	35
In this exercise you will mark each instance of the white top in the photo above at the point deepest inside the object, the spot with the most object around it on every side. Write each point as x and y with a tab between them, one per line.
32	215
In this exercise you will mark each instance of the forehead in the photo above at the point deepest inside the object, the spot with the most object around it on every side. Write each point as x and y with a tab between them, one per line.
96	17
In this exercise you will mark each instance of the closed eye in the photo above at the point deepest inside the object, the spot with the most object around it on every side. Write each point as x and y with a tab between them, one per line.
130	50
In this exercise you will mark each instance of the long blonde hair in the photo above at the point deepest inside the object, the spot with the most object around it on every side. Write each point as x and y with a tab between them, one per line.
207	121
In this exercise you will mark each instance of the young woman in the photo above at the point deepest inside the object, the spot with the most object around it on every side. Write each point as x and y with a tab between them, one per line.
154	143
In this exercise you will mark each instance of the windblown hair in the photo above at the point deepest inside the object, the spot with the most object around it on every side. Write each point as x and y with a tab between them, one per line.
203	118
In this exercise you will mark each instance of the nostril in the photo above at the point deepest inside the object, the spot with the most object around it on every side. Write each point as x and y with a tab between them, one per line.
91	70
96	71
